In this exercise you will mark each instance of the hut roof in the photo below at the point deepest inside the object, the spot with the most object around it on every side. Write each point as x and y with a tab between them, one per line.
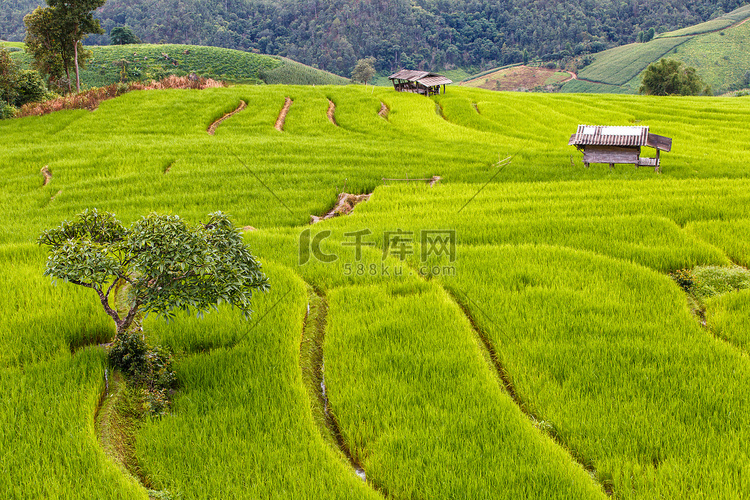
424	77
599	135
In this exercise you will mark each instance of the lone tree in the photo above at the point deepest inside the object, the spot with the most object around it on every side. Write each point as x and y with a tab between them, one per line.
9	77
670	77
122	35
54	36
44	41
77	20
164	263
364	70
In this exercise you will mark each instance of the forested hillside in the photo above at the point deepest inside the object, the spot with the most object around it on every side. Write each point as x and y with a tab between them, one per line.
440	34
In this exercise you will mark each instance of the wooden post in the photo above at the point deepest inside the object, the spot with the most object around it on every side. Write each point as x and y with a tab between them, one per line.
656	169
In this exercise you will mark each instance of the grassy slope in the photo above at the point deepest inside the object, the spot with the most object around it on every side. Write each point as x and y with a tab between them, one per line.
147	62
728	59
714	48
564	268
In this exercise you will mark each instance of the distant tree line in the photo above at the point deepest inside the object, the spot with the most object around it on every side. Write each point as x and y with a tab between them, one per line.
435	34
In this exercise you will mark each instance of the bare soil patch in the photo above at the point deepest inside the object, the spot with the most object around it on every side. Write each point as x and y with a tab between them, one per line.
519	78
47	175
212	129
332	112
383	113
344	205
282	115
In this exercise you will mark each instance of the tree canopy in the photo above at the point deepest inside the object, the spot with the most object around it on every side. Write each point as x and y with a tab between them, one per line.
419	34
671	77
163	263
364	70
8	77
122	35
76	18
44	40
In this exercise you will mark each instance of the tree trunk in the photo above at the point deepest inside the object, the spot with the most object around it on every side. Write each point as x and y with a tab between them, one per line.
125	323
75	58
67	75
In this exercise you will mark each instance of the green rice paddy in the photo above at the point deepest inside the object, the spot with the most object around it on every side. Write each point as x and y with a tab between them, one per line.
716	49
538	348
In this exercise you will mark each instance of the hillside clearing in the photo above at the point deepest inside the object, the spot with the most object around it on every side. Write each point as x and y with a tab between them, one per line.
521	78
453	313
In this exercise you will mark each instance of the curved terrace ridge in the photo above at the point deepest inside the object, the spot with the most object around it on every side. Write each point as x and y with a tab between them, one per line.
282	115
490	354
212	129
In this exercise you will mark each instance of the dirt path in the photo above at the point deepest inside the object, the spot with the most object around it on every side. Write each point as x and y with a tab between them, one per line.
573	76
282	115
332	112
212	129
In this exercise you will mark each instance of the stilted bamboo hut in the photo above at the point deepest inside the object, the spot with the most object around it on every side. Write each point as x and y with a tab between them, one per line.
419	82
601	144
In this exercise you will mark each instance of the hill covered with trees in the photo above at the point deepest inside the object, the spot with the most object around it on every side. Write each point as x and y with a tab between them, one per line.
439	34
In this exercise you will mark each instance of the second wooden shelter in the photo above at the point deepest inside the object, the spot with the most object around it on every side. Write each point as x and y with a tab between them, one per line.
419	82
602	144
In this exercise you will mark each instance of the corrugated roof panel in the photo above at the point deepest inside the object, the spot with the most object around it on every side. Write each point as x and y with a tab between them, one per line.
599	135
433	80
408	74
424	77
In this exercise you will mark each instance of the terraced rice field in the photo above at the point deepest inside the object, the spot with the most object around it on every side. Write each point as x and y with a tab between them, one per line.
144	62
714	48
511	331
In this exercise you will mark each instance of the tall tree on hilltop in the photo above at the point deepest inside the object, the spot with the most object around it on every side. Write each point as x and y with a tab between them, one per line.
77	20
8	77
44	43
364	70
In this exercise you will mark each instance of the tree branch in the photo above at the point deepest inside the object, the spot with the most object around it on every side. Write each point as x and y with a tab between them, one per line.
122	326
87	285
114	282
107	308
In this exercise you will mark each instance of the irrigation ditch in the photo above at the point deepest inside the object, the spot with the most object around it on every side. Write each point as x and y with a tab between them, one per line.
116	425
312	366
697	303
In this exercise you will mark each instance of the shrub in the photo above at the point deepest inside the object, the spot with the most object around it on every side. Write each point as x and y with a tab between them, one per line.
7	111
128	352
148	368
704	282
90	99
31	88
